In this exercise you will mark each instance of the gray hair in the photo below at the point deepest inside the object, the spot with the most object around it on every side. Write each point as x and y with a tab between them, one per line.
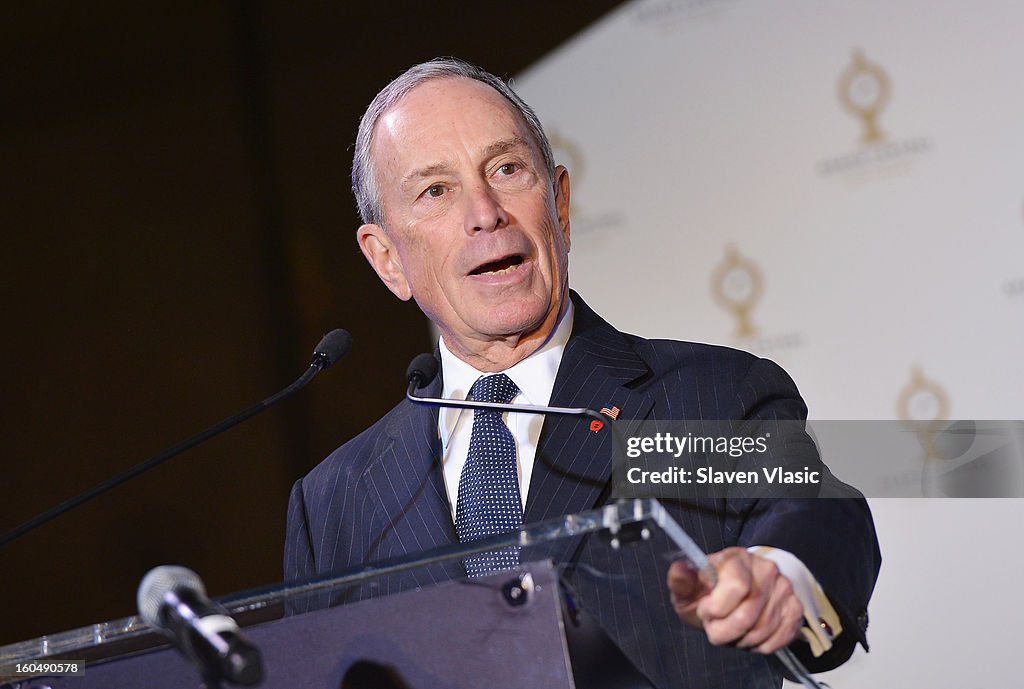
364	181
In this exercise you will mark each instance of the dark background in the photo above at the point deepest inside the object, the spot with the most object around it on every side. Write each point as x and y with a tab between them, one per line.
179	233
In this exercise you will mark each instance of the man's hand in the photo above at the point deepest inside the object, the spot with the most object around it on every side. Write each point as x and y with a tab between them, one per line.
752	606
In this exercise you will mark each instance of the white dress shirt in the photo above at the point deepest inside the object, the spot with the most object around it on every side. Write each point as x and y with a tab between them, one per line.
535	378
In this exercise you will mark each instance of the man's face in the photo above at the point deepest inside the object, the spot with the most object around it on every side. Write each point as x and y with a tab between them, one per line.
476	231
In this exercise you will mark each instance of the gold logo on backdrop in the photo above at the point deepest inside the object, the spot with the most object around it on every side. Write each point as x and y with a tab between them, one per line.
922	399
960	458
926	403
864	91
736	285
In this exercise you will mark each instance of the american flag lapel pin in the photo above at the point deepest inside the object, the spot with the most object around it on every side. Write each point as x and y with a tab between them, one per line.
612	413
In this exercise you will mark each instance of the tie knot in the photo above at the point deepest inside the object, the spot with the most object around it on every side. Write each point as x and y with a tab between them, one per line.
497	388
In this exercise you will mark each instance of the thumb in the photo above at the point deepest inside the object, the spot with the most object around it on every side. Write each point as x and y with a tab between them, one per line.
687	587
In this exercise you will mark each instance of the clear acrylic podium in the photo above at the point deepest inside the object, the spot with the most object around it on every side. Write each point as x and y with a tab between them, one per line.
368	627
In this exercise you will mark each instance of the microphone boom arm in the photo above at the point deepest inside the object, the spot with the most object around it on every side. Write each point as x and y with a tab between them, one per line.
331	348
497	406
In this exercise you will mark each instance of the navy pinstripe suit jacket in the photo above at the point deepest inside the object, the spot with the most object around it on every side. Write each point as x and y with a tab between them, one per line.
382	495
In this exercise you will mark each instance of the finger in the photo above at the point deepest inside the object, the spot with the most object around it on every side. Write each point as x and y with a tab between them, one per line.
741	620
686	586
735	584
684	580
772	615
791	618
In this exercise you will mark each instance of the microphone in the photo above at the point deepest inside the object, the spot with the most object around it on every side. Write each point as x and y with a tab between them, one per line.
331	348
423	369
173	600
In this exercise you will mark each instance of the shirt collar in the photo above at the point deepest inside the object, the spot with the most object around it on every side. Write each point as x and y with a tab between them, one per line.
534	375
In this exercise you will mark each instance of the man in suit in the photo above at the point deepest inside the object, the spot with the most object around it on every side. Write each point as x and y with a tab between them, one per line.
466	212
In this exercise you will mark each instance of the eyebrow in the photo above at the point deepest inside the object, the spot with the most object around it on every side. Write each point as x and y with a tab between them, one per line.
493	150
504	146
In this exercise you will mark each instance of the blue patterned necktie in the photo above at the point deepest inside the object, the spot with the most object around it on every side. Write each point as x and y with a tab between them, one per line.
489	501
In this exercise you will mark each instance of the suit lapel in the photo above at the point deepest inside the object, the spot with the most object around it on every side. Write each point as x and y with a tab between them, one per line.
408	482
573	466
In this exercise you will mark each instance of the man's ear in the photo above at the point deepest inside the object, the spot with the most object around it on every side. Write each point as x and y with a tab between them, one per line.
380	251
562	201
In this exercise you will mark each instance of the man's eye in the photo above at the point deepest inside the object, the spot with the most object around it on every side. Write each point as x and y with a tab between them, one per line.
509	168
435	191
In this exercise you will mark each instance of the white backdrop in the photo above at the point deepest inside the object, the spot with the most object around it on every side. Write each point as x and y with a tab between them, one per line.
724	178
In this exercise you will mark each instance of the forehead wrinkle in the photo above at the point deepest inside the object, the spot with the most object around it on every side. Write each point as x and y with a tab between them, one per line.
428	171
504	146
490	151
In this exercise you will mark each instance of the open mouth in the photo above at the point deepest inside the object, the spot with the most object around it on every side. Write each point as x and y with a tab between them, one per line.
502	265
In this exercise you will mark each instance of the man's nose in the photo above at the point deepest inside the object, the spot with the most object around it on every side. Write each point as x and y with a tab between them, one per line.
484	210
